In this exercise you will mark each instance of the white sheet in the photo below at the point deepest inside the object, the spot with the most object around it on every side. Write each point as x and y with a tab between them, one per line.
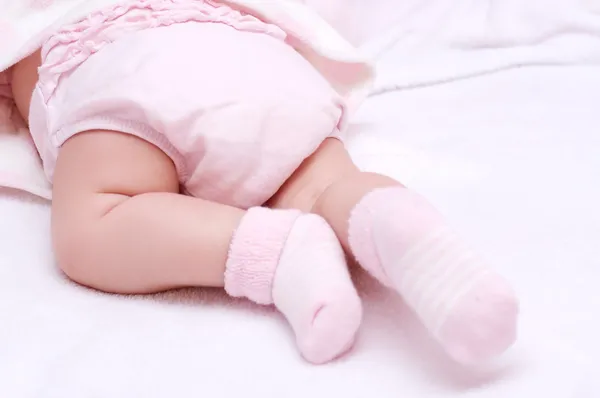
512	158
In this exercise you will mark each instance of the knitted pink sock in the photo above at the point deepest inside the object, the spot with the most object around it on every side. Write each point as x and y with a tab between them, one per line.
404	242
295	262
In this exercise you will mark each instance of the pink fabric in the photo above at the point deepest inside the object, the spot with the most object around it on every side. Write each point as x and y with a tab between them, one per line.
19	162
255	251
499	330
296	262
234	106
360	238
73	44
415	221
313	290
403	241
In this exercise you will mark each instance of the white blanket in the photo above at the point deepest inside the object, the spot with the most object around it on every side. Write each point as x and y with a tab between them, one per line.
511	157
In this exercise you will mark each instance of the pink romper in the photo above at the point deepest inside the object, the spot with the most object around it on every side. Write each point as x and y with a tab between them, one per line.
233	105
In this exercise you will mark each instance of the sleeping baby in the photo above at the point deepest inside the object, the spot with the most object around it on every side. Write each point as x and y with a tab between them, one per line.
201	143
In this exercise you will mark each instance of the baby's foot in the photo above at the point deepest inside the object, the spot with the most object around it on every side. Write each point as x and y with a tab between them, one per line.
296	262
403	241
313	289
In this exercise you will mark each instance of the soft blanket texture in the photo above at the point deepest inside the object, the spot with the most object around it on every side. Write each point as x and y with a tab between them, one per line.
490	111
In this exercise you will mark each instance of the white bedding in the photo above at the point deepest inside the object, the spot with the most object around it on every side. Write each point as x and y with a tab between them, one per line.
505	142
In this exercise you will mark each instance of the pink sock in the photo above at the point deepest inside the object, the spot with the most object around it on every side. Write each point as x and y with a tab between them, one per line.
404	242
295	262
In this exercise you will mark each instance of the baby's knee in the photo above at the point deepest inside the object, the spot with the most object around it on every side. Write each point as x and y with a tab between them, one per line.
79	237
75	252
325	167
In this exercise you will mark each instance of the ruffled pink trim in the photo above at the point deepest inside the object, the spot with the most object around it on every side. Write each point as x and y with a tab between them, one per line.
73	44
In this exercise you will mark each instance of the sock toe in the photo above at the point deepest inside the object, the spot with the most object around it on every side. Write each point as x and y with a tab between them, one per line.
482	323
406	244
313	289
332	329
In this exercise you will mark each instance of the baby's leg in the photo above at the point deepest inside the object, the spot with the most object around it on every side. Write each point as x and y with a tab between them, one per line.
119	225
404	242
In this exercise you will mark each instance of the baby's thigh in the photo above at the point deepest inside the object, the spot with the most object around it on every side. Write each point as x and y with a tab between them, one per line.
96	171
23	80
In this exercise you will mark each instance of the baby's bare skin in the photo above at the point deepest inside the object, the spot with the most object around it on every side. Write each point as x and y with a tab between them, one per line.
24	78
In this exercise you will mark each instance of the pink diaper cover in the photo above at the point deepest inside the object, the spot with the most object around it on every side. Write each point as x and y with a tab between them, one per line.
219	91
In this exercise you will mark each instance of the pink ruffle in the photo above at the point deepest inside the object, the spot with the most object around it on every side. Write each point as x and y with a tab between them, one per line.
73	44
